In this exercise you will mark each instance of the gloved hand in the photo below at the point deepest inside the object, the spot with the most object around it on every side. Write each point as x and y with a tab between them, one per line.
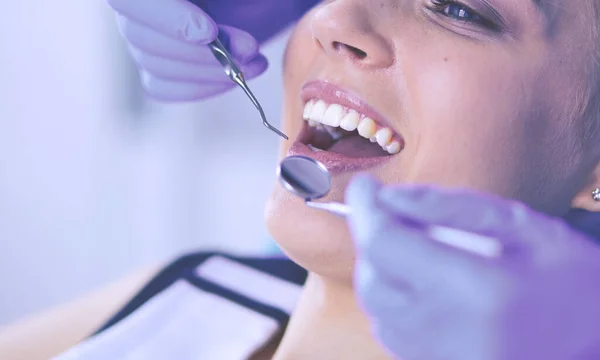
167	39
428	300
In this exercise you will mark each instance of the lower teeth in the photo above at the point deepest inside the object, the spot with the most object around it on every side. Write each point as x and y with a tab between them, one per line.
315	149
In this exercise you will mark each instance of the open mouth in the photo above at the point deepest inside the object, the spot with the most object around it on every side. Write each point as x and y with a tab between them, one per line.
341	130
343	139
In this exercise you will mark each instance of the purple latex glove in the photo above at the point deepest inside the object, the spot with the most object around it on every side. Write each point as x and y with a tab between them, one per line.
430	301
167	39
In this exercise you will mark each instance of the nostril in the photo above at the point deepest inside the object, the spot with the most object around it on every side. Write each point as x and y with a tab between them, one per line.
356	52
359	53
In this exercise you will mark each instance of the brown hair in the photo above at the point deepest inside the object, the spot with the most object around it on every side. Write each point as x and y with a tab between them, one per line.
591	113
587	102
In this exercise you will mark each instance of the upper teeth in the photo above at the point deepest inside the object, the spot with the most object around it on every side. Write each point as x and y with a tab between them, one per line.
334	115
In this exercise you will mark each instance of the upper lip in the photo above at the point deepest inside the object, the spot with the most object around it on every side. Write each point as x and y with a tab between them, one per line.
333	94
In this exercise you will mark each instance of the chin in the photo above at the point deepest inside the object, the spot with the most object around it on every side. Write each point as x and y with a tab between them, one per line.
314	239
348	136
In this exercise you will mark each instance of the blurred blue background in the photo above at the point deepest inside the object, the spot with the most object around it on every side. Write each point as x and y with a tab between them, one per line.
97	181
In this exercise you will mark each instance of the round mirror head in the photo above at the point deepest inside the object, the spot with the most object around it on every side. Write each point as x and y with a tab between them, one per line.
304	177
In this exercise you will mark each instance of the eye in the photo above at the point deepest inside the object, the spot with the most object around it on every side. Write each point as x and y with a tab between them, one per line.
460	12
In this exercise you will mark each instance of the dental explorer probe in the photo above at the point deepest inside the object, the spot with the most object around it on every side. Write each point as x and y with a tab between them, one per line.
236	75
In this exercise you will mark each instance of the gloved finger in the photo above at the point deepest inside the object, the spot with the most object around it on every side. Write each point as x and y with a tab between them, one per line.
406	257
178	19
398	249
177	70
362	190
178	91
463	209
242	46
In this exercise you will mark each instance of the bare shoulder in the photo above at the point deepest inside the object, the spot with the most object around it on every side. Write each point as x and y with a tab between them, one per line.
51	332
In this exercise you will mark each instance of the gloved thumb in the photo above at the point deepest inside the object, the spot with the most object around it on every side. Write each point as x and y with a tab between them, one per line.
361	197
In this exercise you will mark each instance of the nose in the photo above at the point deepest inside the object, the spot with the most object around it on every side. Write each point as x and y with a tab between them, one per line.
347	31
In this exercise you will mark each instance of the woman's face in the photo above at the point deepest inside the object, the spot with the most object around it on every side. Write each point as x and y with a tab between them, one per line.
482	94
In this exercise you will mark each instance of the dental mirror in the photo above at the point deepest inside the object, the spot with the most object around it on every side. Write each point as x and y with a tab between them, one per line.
310	180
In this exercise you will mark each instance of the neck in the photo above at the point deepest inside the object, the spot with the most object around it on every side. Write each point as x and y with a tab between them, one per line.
328	324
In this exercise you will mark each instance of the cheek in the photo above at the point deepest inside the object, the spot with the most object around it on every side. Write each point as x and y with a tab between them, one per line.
468	118
315	240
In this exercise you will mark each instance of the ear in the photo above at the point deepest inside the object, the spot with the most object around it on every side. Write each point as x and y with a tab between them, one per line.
584	198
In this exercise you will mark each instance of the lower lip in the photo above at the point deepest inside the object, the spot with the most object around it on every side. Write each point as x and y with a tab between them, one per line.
337	163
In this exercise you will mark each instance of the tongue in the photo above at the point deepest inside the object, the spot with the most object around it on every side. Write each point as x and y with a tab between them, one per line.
357	146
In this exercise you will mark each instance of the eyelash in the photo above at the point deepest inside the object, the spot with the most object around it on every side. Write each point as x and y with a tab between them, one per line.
446	7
